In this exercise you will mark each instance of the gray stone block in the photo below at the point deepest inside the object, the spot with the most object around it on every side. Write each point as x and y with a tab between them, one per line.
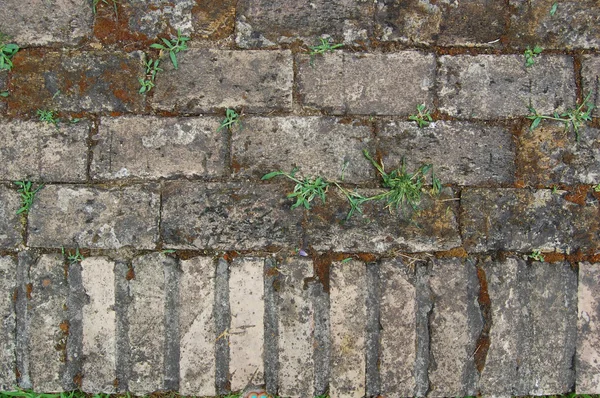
8	322
94	217
10	222
588	330
590	74
3	87
152	148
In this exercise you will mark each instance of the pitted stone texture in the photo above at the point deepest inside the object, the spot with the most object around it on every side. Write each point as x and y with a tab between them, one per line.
100	218
296	329
398	331
214	19
523	220
39	23
10	221
455	327
575	24
446	23
348	329
8	273
367	84
197	327
432	228
550	155
246	333
99	325
3	87
210	80
263	23
235	216
500	86
318	146
76	81
152	147
588	329
41	151
590	74
461	153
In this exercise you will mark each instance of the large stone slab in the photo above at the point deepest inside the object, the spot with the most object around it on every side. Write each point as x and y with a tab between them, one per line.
588	329
152	148
210	80
318	146
500	86
94	217
8	322
523	220
461	153
366	84
10	221
590	74
234	216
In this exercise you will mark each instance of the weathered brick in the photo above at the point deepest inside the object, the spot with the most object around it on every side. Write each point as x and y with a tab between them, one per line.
588	329
152	147
42	151
590	73
235	216
246	334
3	87
10	222
94	217
523	220
209	80
8	271
318	146
99	325
76	81
367	84
499	86
433	227
461	153
197	327
348	329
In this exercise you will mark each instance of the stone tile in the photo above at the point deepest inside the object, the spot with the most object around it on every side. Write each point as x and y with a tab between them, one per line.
461	153
152	147
10	222
500	86
432	227
455	325
3	87
398	331
40	151
30	23
263	23
367	84
234	216
348	329
590	74
523	220
68	215
210	80
76	81
246	333
99	325
8	274
318	146
588	333
197	327
296	329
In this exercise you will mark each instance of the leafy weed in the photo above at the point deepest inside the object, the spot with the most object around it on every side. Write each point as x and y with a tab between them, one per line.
537	255
530	54
322	48
48	116
232	118
423	117
173	47
27	195
151	70
73	258
305	190
553	9
4	94
7	52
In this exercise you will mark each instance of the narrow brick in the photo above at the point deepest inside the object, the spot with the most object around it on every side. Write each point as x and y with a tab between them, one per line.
367	84
590	73
94	217
10	221
3	87
318	146
209	80
197	327
246	333
152	147
524	220
500	86
348	329
588	329
8	274
461	153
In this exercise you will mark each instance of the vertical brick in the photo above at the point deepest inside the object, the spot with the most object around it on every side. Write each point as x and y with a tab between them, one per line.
590	74
588	329
10	221
8	274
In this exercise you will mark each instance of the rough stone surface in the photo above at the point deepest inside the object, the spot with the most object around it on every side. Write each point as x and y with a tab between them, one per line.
500	86
41	151
588	329
246	333
461	153
348	329
367	84
94	217
151	147
8	274
318	146
590	74
210	80
10	222
3	87
523	220
228	216
197	327
99	325
214	19
432	227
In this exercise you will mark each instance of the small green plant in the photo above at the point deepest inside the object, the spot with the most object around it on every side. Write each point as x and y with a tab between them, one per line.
322	48
172	46
530	54
597	188
27	195
232	118
423	117
553	9
151	70
73	258
114	3
7	52
4	94
48	116
537	255
168	251
306	189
